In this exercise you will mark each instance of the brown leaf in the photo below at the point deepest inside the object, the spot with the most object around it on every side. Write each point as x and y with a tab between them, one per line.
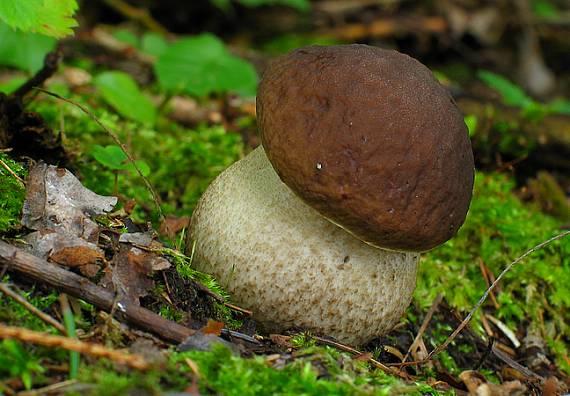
172	225
67	250
213	327
364	357
131	271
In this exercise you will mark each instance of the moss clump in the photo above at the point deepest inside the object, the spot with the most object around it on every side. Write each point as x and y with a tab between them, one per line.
498	229
12	194
315	371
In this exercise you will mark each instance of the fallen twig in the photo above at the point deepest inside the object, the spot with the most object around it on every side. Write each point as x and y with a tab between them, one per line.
40	270
51	64
4	288
374	362
45	339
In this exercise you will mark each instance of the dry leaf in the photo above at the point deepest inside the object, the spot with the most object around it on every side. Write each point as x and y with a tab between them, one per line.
56	200
213	327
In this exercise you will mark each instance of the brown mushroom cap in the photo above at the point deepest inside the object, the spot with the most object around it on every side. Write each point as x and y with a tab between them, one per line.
371	140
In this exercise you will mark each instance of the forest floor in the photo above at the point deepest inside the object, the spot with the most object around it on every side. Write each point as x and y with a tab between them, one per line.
112	92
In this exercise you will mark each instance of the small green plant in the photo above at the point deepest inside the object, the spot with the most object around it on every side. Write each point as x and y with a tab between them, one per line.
302	340
15	361
116	160
513	95
122	93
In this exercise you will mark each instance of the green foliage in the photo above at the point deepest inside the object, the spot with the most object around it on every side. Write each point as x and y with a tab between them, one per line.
498	229
202	65
24	51
12	194
513	95
69	322
302	340
115	159
48	17
150	43
153	44
11	85
122	93
471	122
544	9
301	5
15	361
183	161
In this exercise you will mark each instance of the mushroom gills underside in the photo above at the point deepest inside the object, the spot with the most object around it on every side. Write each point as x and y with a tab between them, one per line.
281	259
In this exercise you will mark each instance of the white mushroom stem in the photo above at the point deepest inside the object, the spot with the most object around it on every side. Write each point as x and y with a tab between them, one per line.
279	258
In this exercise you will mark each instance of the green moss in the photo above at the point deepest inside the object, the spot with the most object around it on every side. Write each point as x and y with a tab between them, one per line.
12	194
338	374
315	371
14	314
498	229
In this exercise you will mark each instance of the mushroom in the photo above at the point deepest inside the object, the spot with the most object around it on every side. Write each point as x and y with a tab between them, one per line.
366	162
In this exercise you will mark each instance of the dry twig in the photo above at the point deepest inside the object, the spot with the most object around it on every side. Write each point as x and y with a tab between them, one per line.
35	268
4	288
374	362
45	339
140	15
10	171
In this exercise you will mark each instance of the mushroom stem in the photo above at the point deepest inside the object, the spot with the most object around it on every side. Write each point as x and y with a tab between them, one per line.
280	258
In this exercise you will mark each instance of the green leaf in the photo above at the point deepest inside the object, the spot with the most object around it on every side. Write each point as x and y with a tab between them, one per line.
471	122
202	65
114	158
544	9
49	17
560	106
25	51
122	93
512	94
11	85
110	156
153	44
127	37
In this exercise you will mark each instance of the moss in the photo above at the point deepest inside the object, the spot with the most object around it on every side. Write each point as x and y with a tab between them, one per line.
12	194
498	229
321	371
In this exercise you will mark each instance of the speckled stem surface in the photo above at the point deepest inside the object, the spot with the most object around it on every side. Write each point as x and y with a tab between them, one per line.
279	258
